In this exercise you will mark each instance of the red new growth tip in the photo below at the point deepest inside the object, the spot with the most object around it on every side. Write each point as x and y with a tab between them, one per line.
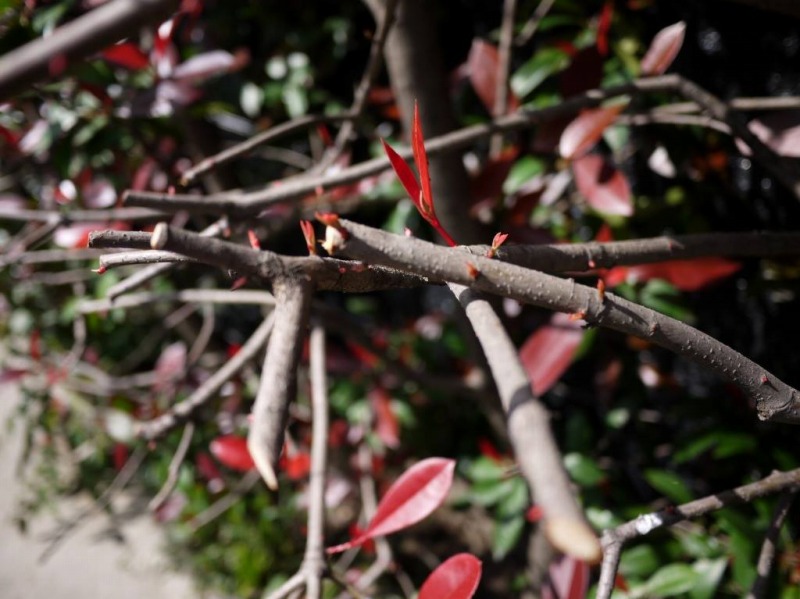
422	196
499	239
311	239
253	238
329	219
472	271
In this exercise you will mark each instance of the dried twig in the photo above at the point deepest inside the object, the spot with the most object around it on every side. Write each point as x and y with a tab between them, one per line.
769	547
174	468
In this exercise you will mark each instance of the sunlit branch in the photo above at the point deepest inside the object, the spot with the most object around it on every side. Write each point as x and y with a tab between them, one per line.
535	448
775	400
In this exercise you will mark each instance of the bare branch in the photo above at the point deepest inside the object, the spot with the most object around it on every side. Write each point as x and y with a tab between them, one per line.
180	412
770	546
615	538
200	296
529	429
47	57
775	400
504	63
579	257
174	468
279	377
530	28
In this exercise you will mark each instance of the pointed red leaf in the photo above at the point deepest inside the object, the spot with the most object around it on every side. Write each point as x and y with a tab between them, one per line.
603	26
586	130
421	158
548	352
231	450
420	490
170	365
386	426
127	55
686	275
780	131
456	578
663	49
482	65
569	577
603	185
403	172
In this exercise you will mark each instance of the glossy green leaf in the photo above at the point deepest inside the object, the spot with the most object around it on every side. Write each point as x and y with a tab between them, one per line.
583	470
669	581
542	65
710	575
507	534
638	562
515	501
669	484
521	172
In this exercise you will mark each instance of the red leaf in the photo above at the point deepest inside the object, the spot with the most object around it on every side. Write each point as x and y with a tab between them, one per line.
686	275
296	465
77	236
534	513
208	64
482	65
584	72
425	201
569	578
127	55
603	26
603	185
119	455
386	425
420	490
456	578
231	451
548	352
780	131
206	467
170	365
586	130
663	49
403	172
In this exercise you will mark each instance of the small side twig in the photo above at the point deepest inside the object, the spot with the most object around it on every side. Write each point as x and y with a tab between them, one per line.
174	468
614	539
530	28
504	64
770	546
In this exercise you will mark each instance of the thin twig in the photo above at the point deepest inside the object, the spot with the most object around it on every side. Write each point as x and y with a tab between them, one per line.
183	410
223	504
530	28
199	296
613	539
122	479
769	547
271	134
174	468
503	65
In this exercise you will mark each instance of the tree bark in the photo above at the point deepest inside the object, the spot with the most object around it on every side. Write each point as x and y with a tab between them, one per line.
414	60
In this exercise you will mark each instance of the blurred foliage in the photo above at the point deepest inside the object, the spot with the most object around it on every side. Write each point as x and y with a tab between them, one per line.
641	429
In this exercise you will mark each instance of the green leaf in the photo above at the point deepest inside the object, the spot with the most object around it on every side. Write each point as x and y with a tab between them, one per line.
669	581
710	574
523	171
515	501
485	469
544	63
583	470
693	449
506	535
669	484
488	494
638	562
731	444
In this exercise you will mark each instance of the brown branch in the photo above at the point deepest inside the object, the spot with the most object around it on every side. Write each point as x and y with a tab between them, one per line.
200	296
108	261
90	33
613	539
279	377
537	453
503	65
180	412
328	274
530	28
174	469
79	216
141	277
271	134
775	400
770	546
245	204
579	257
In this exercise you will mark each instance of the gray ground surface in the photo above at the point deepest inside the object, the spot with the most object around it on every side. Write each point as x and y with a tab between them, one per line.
89	564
